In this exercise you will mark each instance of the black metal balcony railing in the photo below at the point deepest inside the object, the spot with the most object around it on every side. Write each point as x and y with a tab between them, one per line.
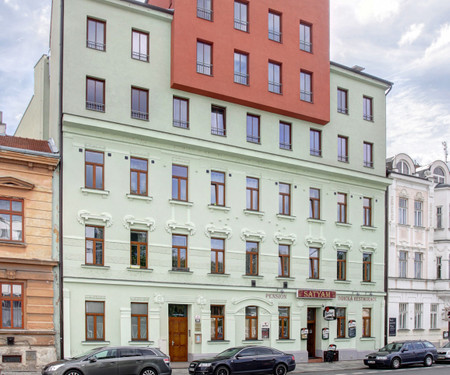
139	56
305	46
139	115
241	78
306	96
204	68
275	36
275	87
94	106
204	13
240	25
218	131
95	45
181	124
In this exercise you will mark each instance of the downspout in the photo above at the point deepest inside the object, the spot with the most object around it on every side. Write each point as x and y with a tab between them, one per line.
386	262
61	163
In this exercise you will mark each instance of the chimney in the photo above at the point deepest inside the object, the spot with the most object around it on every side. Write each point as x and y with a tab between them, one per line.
2	125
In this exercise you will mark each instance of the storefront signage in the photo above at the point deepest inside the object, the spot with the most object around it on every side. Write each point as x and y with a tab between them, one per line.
325	333
265	333
445	335
265	325
317	294
276	295
351	328
304	333
329	313
356	298
392	326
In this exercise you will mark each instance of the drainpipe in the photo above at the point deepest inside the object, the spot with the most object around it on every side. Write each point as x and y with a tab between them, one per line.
386	262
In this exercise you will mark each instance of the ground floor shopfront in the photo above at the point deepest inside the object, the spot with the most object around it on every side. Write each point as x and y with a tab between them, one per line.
188	321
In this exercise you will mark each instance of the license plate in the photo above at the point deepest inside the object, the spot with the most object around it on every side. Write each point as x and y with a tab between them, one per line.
371	362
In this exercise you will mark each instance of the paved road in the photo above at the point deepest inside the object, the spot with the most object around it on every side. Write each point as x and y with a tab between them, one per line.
436	369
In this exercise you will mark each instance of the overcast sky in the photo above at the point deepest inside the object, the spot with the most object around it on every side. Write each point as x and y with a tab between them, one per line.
404	41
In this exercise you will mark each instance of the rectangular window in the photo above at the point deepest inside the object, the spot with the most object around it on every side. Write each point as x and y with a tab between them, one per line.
403	316
306	93
433	316
251	323
368	154
418	213
367	109
139	103
367	212
179	183
283	323
252	194
439	217
418	260
138	249
218	124
314	203
367	324
139	321
204	58
284	199
367	267
438	267
315	142
251	259
275	27
342	149
403	264
241	16
11	218
305	37
95	321
283	260
179	252
314	263
181	113
94	245
274	77
217	255
94	166
402	211
11	299
241	68
285	136
341	327
342	104
341	265
138	176
418	315
217	322
95	94
341	208
204	9
96	34
253	131
218	188
139	45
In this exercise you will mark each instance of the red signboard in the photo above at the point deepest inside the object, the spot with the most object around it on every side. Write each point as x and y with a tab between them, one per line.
316	294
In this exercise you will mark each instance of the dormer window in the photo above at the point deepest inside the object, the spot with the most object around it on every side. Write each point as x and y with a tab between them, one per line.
439	175
403	167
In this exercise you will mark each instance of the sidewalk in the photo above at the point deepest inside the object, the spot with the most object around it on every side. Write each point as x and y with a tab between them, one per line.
181	368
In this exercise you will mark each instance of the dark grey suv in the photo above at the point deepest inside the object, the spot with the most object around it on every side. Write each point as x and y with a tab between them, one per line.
113	360
401	353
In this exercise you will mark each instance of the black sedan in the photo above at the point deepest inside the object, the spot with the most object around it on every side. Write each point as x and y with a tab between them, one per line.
113	360
245	359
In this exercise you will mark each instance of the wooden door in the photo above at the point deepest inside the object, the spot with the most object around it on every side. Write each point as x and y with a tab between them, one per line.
178	339
311	344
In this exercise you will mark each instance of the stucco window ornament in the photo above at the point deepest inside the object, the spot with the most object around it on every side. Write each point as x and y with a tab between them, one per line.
158	298
201	301
343	245
85	217
368	247
419	197
247	300
281	238
95	298
130	221
173	226
247	234
12	182
403	193
212	231
315	242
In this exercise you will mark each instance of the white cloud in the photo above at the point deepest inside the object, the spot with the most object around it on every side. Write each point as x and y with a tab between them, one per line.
442	41
408	38
370	11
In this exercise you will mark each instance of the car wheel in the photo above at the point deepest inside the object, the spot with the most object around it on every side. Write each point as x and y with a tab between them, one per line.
280	369
222	370
395	363
73	372
148	371
428	361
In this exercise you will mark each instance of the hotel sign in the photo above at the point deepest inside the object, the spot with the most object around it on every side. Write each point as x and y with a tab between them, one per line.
316	294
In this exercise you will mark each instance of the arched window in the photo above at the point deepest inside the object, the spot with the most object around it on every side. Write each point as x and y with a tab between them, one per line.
403	167
439	175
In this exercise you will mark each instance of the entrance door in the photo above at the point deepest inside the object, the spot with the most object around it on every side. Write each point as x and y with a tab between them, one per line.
178	333
311	344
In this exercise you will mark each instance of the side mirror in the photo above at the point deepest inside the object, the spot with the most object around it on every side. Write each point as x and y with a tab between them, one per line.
404	350
92	359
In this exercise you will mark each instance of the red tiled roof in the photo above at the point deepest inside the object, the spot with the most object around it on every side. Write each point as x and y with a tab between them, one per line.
25	143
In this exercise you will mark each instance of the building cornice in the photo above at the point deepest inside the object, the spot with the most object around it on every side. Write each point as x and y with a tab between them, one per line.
29	158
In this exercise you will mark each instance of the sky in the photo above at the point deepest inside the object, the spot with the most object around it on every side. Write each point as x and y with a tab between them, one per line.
406	42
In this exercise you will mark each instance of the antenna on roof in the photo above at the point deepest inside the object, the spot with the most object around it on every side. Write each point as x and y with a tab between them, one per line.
445	151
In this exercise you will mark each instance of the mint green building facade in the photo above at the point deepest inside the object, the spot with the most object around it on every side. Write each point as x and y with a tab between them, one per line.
194	291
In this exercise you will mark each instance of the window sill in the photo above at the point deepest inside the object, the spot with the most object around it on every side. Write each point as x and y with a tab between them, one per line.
286	217
368	338
140	342
368	283
250	341
87	191
365	227
218	208
218	342
403	330
343	339
256	213
316	156
140	197
345	225
285	340
418	329
138	269
218	274
95	343
315	280
435	329
317	221
181	203
181	270
419	227
284	278
403	225
95	267
369	166
252	277
342	281
13	243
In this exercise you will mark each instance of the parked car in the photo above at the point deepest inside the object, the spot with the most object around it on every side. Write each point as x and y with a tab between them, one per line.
113	360
401	353
444	353
245	359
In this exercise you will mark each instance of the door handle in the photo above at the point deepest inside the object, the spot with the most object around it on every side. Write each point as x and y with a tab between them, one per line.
173	342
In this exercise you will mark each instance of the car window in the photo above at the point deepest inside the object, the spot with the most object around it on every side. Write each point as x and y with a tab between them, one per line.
430	345
129	353
407	347
148	352
264	351
105	354
417	345
247	353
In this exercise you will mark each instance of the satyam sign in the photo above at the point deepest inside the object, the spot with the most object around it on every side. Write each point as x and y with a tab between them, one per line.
316	294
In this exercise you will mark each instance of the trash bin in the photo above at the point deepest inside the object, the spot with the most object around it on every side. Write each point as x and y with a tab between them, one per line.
331	354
